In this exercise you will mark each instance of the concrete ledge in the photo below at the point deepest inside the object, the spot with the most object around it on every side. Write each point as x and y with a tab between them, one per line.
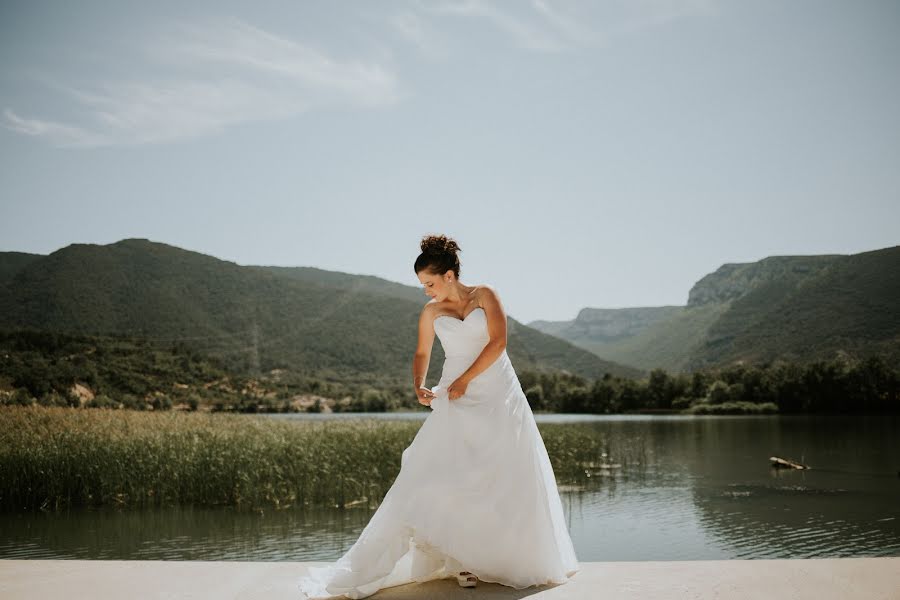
816	579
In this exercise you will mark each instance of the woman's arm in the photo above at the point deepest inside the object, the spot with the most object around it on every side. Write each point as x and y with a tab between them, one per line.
422	357
496	322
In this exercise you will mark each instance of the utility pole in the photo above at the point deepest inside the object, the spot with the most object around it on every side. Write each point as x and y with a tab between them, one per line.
254	351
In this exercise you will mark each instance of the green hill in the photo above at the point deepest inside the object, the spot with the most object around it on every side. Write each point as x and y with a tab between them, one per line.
337	280
645	337
850	306
732	281
667	344
249	318
11	262
793	308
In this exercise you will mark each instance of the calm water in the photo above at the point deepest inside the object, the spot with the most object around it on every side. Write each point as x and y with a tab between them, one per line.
703	490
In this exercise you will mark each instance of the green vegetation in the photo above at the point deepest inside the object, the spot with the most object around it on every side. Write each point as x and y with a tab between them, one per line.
851	307
732	408
52	458
56	458
664	344
871	386
43	368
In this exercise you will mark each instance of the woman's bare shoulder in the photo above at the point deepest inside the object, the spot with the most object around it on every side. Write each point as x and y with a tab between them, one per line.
484	291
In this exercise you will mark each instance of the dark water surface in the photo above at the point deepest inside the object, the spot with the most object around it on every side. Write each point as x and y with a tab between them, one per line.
703	490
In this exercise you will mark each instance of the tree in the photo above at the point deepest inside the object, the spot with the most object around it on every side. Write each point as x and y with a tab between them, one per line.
535	396
657	389
718	392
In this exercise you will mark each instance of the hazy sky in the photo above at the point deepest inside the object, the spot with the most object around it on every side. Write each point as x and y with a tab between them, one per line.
603	154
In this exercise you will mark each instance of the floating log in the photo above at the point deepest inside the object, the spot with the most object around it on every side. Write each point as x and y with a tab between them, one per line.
783	463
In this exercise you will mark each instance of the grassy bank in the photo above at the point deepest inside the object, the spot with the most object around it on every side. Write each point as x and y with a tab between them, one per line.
53	458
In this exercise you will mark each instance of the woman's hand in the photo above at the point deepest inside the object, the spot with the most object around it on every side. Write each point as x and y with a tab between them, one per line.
457	388
424	395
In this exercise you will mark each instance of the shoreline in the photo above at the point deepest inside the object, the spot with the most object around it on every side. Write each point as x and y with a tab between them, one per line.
816	579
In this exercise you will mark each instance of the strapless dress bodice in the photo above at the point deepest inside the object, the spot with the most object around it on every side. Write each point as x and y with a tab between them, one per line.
462	338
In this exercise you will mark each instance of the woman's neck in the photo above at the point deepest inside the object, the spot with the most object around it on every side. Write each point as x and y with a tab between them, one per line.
462	294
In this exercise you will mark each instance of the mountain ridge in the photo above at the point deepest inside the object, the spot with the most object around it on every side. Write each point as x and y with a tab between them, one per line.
733	315
254	317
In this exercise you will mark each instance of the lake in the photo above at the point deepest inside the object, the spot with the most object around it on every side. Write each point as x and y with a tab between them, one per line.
692	488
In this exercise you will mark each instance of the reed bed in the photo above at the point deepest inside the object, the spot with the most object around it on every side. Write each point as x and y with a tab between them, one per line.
52	458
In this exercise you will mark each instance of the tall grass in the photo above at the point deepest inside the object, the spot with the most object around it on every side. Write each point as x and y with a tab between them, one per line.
53	458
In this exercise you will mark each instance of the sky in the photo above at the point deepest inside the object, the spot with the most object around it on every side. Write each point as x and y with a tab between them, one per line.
598	154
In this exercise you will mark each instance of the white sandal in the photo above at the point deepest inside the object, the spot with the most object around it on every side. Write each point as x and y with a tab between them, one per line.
466	579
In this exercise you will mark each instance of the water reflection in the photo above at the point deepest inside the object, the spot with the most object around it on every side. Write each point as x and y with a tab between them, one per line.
182	533
848	504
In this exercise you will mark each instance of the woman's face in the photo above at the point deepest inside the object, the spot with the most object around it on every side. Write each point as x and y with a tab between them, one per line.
435	285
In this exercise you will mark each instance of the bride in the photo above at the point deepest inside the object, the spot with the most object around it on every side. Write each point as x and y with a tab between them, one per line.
476	496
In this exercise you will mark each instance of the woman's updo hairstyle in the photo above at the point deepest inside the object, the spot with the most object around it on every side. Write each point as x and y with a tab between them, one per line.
438	255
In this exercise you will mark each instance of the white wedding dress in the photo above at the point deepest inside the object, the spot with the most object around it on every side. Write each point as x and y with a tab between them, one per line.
475	492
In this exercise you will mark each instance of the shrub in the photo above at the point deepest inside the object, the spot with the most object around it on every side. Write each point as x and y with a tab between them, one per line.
102	401
682	402
718	393
732	408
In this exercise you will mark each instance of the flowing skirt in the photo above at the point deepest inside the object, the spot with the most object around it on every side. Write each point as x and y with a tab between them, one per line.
476	492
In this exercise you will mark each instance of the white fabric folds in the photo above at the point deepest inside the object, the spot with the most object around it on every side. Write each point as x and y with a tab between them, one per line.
476	490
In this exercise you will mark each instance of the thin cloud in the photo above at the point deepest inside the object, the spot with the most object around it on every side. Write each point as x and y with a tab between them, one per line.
569	27
224	72
648	14
232	73
64	135
414	30
551	26
236	44
525	34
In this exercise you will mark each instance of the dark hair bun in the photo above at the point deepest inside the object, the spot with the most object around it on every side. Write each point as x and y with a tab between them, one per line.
438	255
438	244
